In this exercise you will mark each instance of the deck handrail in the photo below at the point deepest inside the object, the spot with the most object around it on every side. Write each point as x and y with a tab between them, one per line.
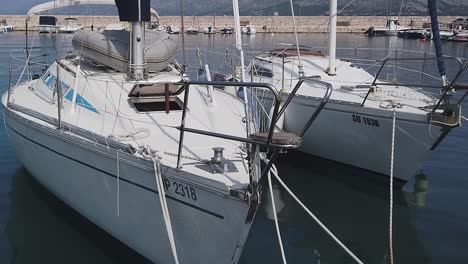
317	111
384	62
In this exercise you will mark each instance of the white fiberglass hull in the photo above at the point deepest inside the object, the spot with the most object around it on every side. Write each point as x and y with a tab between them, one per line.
48	29
208	226
362	137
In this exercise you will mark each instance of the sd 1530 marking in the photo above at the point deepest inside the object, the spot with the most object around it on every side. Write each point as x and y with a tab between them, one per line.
366	120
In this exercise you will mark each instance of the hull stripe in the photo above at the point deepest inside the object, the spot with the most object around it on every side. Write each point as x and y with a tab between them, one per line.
121	179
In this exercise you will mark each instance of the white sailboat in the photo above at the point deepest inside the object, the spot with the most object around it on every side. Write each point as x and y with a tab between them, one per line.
392	28
71	26
355	126
249	30
5	27
116	137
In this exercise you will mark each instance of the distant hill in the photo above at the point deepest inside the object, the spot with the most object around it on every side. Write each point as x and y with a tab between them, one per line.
311	7
265	7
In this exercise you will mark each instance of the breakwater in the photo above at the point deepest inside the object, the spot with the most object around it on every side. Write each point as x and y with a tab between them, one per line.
263	24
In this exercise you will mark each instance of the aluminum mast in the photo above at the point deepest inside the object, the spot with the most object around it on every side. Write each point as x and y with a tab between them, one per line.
332	38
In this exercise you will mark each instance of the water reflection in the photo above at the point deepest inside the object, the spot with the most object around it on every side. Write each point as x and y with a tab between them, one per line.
355	208
42	229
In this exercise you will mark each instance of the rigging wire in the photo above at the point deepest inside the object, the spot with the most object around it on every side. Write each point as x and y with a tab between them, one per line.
301	68
183	32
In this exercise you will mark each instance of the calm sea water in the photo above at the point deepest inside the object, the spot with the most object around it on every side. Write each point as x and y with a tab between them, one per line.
430	214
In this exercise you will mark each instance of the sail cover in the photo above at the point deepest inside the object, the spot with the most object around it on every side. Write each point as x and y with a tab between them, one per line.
432	6
136	10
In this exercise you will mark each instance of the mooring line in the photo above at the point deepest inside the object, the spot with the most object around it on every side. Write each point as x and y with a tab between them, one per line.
392	160
274	171
278	233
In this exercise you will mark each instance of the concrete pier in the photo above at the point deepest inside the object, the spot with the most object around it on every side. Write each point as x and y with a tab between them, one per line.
263	24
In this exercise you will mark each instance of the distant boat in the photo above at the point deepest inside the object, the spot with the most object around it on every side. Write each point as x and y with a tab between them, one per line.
415	34
227	31
391	28
173	30
248	30
4	27
445	35
460	36
192	30
70	26
48	24
210	30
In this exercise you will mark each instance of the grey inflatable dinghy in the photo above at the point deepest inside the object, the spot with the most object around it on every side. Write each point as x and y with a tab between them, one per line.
111	48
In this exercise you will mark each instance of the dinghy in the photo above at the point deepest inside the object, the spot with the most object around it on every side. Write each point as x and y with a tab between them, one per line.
111	48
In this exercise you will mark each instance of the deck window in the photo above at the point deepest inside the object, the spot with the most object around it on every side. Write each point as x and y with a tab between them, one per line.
157	97
158	106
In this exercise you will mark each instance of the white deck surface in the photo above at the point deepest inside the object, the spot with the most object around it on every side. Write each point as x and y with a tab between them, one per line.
108	94
348	76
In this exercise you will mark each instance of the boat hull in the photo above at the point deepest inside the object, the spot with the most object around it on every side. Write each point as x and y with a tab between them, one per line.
209	227
48	29
359	137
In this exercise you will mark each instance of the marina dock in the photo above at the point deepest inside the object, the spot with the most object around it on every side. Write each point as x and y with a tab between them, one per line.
263	24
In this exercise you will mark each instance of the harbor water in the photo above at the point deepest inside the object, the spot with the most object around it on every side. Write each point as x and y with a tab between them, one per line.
430	222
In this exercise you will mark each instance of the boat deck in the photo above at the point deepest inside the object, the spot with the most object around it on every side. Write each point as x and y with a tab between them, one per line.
350	84
107	111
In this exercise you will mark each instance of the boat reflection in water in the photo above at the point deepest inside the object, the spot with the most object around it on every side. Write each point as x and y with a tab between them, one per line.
42	229
355	209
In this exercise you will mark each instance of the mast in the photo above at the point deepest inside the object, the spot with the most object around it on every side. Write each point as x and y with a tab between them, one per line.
332	38
137	64
182	31
237	30
136	13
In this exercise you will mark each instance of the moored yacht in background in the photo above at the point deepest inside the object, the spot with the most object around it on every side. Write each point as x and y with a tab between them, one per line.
355	125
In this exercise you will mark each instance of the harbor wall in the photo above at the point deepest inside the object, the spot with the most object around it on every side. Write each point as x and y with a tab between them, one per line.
272	24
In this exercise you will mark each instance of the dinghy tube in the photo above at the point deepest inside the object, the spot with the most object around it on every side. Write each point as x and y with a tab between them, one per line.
111	48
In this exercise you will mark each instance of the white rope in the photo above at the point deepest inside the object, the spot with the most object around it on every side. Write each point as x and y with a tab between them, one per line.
392	155
351	254
278	233
464	118
164	208
28	59
4	123
139	133
118	184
